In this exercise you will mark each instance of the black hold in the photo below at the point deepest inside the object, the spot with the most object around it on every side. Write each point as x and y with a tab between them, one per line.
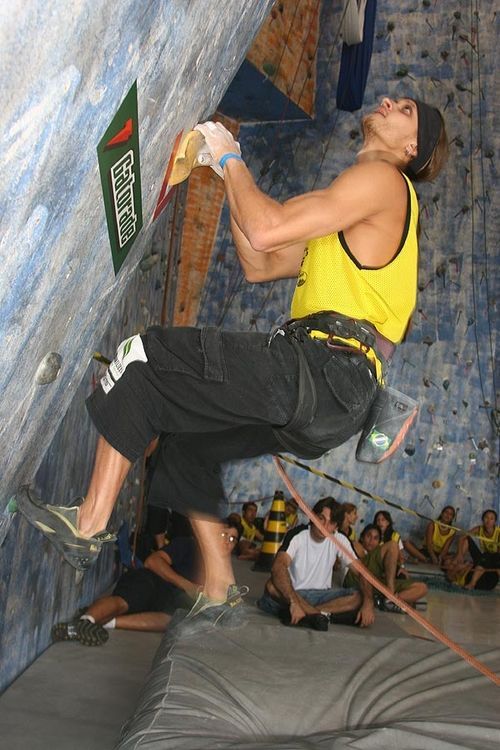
483	445
431	409
435	199
424	54
402	72
454	412
426	3
457	15
446	384
441	270
489	153
450	97
426	382
410	450
354	134
427	340
459	142
470	322
465	403
461	87
391	26
464	210
444	54
269	69
158	285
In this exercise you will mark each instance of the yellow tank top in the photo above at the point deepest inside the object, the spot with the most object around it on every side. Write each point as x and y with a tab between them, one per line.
331	278
248	531
489	543
439	539
460	578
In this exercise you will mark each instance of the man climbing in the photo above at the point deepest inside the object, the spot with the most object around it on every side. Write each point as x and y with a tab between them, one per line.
306	389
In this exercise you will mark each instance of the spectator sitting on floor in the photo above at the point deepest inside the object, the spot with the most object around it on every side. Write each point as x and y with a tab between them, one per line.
483	544
438	539
299	590
384	523
382	561
248	549
347	520
291	514
145	598
468	576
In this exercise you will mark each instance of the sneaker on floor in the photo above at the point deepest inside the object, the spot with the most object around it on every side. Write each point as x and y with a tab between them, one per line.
391	607
315	622
86	632
344	618
58	525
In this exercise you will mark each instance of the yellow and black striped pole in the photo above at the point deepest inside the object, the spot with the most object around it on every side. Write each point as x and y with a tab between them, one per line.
371	495
273	534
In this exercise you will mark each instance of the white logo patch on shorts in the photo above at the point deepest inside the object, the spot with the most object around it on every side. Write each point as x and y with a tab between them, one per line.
130	350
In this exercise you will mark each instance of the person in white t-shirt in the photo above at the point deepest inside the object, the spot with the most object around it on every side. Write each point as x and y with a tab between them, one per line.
300	588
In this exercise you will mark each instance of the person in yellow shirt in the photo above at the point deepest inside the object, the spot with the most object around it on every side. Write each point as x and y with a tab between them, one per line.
482	543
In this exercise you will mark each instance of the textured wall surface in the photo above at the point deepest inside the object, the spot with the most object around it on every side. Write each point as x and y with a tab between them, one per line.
66	69
445	55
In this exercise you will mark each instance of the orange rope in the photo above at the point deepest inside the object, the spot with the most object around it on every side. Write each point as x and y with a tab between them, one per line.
362	570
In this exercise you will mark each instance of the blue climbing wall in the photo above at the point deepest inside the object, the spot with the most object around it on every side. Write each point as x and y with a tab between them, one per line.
66	68
444	54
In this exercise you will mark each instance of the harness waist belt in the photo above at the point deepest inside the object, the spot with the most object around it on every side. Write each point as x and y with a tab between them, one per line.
337	325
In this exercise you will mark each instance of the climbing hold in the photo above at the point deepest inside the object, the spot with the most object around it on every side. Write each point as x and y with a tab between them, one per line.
391	26
269	69
148	262
427	340
193	152
48	369
446	384
465	403
410	450
437	484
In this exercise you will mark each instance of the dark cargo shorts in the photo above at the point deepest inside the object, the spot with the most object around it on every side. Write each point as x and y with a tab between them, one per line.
222	395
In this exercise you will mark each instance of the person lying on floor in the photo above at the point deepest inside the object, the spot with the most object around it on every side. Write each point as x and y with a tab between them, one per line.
300	591
468	576
382	561
146	598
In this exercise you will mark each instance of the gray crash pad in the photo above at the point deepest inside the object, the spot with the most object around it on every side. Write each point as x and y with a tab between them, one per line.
263	687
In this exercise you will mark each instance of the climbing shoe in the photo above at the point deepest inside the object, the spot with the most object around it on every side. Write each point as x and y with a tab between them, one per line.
227	614
58	524
86	632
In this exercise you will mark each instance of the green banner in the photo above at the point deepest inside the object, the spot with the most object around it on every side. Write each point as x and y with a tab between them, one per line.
119	166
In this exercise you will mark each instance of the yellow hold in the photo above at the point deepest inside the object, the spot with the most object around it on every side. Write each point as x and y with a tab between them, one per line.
186	158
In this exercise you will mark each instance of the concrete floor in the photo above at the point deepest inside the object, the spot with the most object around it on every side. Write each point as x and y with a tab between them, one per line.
77	698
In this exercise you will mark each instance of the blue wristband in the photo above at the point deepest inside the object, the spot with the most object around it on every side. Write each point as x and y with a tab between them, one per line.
225	158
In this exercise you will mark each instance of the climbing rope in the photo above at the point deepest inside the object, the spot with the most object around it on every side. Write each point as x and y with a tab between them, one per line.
358	566
372	496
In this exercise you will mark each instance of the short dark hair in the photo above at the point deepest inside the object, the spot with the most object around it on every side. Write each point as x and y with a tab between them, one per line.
447	507
248	504
369	527
325	502
489	510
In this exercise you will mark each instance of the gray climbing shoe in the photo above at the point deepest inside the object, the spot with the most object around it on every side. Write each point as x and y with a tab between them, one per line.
58	524
231	613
